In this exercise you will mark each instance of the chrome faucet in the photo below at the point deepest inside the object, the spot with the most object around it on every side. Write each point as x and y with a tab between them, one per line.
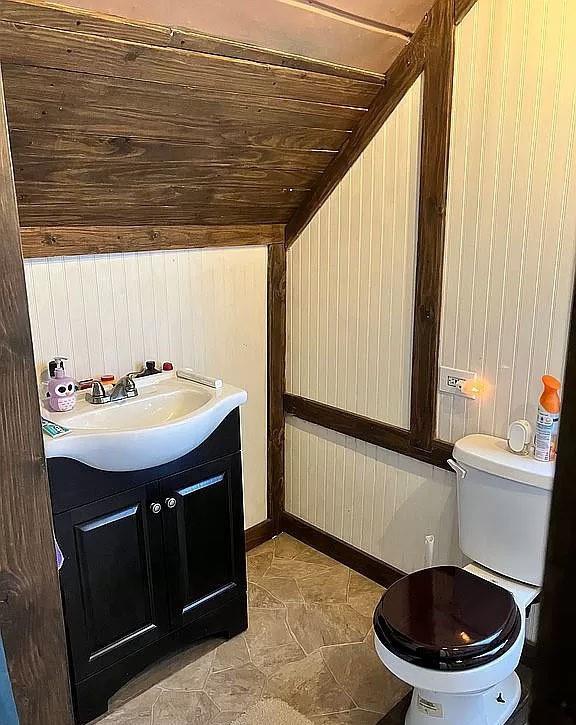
124	388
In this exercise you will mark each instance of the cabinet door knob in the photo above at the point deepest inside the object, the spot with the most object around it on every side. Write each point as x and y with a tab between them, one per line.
156	508
171	502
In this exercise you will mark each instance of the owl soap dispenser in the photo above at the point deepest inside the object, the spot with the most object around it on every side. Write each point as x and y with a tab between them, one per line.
61	393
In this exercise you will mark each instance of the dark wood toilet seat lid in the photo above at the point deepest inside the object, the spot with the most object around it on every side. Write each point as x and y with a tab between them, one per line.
445	618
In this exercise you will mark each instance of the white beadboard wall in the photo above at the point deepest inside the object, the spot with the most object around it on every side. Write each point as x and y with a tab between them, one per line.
351	281
381	502
511	226
204	309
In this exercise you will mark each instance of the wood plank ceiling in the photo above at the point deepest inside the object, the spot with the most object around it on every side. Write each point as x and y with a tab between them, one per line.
120	123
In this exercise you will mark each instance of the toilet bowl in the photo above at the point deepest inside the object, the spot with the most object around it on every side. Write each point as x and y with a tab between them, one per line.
455	634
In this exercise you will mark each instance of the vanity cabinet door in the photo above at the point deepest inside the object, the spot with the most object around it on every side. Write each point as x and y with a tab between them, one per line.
113	580
204	535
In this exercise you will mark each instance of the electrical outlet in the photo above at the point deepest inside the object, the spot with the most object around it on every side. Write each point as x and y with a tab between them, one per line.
451	382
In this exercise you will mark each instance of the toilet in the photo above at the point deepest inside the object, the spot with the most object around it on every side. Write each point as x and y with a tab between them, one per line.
455	634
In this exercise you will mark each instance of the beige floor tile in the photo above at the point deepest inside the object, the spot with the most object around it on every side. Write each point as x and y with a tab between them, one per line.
191	677
267	628
138	711
231	654
261	598
270	659
364	594
317	625
352	717
224	718
259	564
183	708
309	687
359	671
286	547
283	588
296	569
267	546
331	588
316	557
237	688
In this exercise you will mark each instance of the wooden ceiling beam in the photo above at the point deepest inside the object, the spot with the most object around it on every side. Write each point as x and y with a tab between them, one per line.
402	74
53	241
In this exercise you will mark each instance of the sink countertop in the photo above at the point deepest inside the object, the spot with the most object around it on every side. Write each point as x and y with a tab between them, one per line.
169	418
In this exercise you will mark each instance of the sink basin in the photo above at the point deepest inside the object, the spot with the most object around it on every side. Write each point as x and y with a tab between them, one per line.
169	418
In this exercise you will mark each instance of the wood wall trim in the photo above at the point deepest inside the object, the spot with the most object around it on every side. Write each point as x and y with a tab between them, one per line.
371	567
276	380
31	610
59	17
259	534
64	241
400	77
436	122
365	429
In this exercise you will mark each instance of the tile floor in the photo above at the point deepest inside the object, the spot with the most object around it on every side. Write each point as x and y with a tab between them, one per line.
309	643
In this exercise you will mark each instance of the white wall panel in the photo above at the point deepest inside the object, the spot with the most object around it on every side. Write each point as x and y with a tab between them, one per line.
511	230
381	502
204	309
351	281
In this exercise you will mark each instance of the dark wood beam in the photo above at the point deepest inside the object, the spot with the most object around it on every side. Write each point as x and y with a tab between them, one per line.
64	241
554	694
276	380
462	9
59	17
365	429
400	77
436	121
30	605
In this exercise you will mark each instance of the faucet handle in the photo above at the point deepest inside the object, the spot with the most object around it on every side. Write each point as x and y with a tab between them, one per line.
98	394
130	384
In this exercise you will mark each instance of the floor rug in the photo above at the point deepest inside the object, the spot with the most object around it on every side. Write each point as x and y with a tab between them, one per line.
267	712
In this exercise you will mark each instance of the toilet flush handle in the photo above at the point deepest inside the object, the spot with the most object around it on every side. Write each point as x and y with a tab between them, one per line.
457	468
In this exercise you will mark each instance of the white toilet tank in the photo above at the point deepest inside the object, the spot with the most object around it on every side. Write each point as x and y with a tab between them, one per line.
503	507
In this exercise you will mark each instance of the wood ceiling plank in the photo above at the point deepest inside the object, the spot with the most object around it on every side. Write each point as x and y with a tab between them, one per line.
72	172
172	101
111	212
57	241
151	193
73	148
37	46
50	116
59	17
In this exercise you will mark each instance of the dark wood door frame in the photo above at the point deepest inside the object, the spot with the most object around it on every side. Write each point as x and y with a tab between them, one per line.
554	693
30	606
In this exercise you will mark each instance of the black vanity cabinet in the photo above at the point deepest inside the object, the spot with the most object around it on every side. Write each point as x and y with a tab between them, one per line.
154	560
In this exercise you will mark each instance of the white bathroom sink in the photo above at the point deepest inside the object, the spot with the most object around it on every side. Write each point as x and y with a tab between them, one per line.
169	418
